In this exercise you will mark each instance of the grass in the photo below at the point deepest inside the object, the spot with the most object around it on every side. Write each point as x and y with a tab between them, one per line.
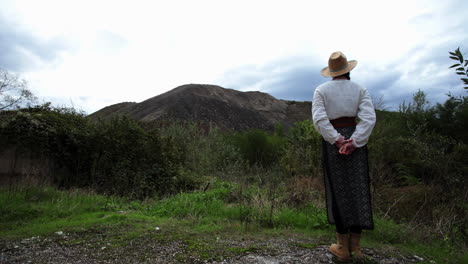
195	218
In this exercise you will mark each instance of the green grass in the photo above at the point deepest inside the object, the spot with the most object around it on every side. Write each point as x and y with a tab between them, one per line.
37	211
240	250
42	211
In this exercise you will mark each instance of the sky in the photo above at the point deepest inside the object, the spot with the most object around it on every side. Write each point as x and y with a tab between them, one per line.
91	54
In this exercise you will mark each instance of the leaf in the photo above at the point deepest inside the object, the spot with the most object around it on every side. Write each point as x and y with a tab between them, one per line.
457	51
454	58
460	69
464	79
461	58
455	65
461	73
466	87
453	53
466	62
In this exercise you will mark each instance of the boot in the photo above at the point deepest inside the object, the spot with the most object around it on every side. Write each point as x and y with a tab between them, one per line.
341	249
354	248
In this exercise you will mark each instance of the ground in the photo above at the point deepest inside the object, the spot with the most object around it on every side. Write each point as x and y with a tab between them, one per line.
92	246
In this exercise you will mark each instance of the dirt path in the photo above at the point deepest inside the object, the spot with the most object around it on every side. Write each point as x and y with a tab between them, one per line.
76	248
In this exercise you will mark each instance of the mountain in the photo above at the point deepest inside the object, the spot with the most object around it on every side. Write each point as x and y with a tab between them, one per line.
202	103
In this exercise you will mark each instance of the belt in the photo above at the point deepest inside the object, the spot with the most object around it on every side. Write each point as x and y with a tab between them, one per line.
344	122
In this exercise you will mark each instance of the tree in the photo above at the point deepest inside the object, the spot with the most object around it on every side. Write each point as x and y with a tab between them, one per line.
379	103
461	66
14	92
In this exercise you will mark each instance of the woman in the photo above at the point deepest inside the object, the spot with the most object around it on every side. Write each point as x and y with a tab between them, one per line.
335	106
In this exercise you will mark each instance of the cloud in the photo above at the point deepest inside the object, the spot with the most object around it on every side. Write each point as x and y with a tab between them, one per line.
108	43
134	51
427	69
292	78
424	68
298	83
20	50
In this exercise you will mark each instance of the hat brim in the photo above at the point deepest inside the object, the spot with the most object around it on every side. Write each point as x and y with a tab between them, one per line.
327	73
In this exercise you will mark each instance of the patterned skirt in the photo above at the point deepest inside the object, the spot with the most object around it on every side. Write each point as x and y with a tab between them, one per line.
347	185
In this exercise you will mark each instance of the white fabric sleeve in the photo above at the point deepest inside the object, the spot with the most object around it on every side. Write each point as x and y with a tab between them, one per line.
366	114
321	121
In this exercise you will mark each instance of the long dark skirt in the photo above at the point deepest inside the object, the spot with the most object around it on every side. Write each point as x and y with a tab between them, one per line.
347	185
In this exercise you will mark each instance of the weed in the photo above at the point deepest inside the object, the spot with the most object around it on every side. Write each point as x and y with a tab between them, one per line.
307	245
242	250
196	218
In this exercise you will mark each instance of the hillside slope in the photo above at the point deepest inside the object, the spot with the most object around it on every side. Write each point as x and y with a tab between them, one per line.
226	108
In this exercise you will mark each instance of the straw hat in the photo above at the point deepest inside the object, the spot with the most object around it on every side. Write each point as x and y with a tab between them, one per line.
338	64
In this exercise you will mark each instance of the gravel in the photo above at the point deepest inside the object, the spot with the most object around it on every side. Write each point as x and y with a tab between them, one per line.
62	248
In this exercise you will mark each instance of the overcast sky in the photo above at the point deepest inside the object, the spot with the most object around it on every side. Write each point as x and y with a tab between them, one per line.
91	54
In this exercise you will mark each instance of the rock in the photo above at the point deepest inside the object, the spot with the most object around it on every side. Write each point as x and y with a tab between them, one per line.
97	249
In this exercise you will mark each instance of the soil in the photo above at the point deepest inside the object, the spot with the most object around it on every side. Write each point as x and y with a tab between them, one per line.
94	247
213	105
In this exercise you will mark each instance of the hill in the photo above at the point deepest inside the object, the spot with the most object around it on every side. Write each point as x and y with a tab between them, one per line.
211	104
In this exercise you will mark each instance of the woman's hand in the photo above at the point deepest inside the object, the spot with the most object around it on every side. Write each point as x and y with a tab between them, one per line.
340	142
348	148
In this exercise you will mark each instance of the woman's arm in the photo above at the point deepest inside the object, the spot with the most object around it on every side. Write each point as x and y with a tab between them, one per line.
321	121
366	114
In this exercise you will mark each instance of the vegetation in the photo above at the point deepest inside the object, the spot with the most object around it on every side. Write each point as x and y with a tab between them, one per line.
195	218
247	180
14	92
461	65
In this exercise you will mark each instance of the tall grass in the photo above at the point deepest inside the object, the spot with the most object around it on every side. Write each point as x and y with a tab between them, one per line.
417	168
32	211
124	157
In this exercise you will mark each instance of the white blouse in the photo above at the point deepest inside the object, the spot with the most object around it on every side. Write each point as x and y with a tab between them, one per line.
343	98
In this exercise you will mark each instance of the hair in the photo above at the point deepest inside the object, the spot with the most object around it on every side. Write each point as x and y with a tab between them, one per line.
346	75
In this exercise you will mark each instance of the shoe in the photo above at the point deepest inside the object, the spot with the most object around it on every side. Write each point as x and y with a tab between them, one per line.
354	248
341	249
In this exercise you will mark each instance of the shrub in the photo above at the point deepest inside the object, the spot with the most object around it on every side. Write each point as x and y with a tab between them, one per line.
258	147
115	157
302	152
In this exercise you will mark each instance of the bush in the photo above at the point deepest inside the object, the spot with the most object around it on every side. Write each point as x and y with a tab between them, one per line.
258	147
115	157
127	160
424	145
302	152
201	154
